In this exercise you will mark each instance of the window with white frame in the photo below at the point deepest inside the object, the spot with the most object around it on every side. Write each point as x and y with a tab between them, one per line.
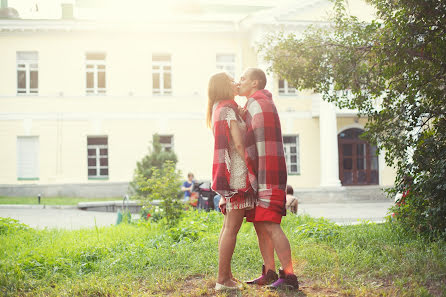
285	88
27	72
27	157
95	73
166	142
161	74
97	150
291	149
226	62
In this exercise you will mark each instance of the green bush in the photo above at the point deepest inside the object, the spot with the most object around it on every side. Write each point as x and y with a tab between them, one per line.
320	229
163	186
424	207
8	225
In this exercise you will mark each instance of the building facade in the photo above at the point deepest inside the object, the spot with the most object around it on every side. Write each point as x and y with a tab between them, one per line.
80	100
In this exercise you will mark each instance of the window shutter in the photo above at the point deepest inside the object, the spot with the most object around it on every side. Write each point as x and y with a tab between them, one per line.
28	157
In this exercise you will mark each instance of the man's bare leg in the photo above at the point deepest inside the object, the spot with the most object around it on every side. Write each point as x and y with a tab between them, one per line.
280	243
266	246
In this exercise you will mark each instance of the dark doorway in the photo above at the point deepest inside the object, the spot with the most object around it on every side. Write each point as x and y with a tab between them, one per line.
358	162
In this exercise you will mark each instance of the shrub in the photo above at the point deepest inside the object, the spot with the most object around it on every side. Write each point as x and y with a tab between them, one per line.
8	225
164	187
320	229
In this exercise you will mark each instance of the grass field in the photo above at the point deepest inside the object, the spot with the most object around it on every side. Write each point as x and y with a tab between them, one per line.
51	200
147	259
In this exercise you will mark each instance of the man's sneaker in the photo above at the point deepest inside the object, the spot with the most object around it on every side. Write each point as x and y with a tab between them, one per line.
265	279
285	281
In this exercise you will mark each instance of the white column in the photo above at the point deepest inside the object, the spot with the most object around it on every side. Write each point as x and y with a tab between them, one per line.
328	145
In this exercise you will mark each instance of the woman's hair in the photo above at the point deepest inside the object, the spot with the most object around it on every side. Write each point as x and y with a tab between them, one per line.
289	190
220	88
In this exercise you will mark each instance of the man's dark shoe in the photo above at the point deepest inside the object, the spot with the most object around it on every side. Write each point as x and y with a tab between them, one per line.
285	282
265	279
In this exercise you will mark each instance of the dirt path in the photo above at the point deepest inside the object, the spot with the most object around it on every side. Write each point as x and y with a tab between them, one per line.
200	286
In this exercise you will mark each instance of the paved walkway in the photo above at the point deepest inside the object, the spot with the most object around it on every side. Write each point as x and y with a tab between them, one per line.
59	218
72	218
348	212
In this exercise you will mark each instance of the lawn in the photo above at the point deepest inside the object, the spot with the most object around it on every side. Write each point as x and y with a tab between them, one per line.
148	259
50	200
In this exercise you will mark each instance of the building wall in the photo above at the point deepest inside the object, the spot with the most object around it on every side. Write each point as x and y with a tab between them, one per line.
63	116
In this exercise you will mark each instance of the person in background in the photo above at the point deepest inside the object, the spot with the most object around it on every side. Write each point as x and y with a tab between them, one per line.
291	200
217	202
188	186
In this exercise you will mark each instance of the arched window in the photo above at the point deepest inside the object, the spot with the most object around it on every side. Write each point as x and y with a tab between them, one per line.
358	162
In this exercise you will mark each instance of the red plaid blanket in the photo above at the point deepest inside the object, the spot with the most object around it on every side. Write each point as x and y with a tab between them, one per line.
264	152
220	172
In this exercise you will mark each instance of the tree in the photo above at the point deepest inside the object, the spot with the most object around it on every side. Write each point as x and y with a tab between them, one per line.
392	70
156	159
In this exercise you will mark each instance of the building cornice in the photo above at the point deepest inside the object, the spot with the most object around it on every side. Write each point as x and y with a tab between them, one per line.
104	26
88	116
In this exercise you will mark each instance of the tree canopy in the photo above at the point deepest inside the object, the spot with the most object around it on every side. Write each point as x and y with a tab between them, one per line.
393	70
153	161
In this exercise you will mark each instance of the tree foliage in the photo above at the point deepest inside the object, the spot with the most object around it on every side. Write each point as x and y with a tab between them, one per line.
156	159
392	70
163	186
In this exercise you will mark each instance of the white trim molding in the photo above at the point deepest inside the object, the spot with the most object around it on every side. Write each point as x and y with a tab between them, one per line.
351	126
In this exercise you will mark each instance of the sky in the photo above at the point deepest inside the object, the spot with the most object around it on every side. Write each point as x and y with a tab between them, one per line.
36	8
152	9
50	9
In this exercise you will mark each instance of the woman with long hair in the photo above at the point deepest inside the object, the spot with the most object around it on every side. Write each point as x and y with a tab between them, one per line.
229	171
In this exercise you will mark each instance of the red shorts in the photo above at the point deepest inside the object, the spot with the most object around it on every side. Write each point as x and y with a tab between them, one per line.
260	214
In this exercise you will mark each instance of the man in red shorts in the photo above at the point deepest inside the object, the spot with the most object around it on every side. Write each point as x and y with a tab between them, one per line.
268	176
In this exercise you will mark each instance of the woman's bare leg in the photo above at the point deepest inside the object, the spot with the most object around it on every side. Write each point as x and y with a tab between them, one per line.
227	241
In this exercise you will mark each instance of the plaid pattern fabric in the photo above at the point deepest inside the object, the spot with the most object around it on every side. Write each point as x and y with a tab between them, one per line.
220	168
264	152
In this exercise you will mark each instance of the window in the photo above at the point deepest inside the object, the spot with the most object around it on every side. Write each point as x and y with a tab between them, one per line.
291	148
166	142
28	157
97	148
27	72
161	74
358	162
285	89
226	62
95	71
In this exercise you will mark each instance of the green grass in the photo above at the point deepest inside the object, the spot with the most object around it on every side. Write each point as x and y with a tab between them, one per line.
146	259
51	200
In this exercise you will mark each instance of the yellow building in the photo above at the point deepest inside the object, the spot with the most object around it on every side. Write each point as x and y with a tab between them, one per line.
80	98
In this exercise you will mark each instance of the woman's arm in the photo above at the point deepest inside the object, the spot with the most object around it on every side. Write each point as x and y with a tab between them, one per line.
237	138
